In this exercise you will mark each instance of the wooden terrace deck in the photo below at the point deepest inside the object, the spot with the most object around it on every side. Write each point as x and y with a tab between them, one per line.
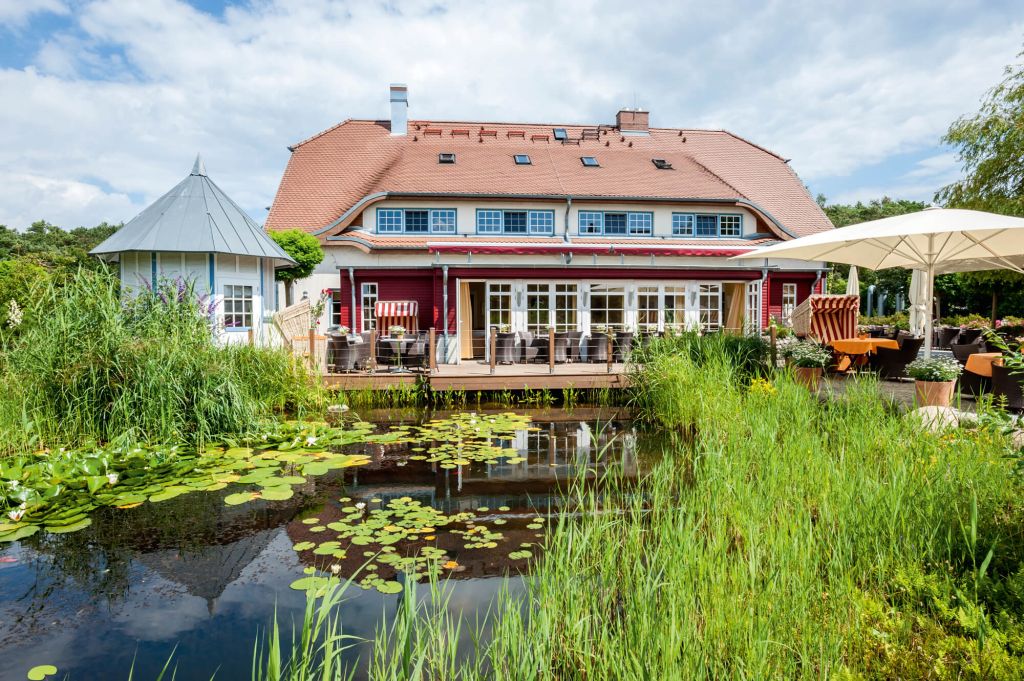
473	375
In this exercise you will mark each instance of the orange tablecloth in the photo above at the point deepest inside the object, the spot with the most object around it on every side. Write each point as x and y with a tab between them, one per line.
863	346
981	363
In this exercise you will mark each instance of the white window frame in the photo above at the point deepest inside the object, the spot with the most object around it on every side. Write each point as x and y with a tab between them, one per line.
368	294
709	305
789	295
234	295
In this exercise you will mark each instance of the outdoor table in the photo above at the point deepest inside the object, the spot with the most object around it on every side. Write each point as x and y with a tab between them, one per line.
981	363
856	350
399	345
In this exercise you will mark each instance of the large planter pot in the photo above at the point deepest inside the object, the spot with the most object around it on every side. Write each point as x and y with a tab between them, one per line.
808	376
934	393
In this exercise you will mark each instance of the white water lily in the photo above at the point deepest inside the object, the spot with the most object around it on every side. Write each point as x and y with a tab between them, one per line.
310	441
16	514
360	505
112	478
335	568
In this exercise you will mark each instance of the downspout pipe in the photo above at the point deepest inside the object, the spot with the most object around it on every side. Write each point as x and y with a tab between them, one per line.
444	285
352	290
568	208
816	282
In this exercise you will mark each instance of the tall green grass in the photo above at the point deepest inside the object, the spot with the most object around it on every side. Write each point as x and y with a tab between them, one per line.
784	538
94	366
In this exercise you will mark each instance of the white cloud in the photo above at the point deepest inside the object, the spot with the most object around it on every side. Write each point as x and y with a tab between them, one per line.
122	101
17	12
919	183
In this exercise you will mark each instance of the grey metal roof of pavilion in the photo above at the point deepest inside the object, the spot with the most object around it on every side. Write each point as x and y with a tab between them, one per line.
194	217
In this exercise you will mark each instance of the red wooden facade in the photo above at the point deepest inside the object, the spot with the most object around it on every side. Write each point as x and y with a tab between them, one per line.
426	286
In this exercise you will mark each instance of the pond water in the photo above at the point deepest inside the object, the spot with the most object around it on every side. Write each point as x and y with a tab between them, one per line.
200	578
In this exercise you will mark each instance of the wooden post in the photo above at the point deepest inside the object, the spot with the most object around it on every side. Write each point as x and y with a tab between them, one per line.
551	350
493	342
774	333
373	351
312	348
433	350
611	350
252	338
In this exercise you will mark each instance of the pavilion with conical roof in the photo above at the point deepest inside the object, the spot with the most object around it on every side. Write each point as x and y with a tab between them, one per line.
195	232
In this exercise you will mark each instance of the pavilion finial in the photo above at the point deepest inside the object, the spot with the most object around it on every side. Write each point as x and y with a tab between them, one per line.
199	168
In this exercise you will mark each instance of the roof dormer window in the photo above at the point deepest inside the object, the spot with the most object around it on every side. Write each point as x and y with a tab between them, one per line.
523	160
560	134
661	164
590	161
446	158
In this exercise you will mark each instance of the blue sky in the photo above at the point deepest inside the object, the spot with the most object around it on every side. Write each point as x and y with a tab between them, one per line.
106	102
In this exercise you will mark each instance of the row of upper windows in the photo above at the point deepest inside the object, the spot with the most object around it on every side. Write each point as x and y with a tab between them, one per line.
591	223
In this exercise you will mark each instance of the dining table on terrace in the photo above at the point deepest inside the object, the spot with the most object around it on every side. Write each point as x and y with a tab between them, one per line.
980	363
855	351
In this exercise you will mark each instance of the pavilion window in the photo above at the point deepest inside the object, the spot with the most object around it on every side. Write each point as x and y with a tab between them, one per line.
237	307
707	226
565	307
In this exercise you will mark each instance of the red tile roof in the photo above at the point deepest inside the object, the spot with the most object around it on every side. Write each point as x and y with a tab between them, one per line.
332	175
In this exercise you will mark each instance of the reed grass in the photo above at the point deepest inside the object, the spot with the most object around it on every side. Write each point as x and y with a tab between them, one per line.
782	538
94	366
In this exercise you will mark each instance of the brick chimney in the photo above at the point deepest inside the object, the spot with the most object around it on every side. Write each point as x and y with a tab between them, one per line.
399	109
632	121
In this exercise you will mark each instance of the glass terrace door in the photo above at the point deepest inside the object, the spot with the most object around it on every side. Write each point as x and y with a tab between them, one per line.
607	306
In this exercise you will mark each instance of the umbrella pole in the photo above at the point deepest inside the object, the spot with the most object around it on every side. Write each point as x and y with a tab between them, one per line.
931	311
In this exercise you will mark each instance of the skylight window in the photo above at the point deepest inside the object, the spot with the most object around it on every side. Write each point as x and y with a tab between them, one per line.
446	158
523	160
590	161
661	164
560	134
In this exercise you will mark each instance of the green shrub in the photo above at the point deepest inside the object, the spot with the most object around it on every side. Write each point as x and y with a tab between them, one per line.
147	369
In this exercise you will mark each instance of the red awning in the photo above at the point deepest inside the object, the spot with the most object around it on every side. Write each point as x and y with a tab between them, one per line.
396	308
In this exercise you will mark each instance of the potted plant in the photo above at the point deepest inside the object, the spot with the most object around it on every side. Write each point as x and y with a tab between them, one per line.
397	331
808	361
934	379
344	330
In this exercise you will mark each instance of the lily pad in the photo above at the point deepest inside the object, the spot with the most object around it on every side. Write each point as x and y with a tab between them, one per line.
389	587
40	672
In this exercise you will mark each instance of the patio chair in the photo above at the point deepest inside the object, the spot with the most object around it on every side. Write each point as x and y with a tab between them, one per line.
562	347
343	355
1008	385
962	351
575	339
385	353
903	335
623	345
532	349
506	351
415	354
892	364
597	347
946	336
968	336
876	332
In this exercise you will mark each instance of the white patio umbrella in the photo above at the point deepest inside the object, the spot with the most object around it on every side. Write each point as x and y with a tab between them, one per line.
918	302
853	282
934	240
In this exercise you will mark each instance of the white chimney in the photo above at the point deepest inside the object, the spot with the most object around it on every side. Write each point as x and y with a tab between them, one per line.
399	109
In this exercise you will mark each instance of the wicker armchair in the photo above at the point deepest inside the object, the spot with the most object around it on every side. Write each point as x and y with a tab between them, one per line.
623	345
562	347
946	336
1007	384
506	350
575	340
968	336
534	347
597	347
974	385
892	364
962	351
